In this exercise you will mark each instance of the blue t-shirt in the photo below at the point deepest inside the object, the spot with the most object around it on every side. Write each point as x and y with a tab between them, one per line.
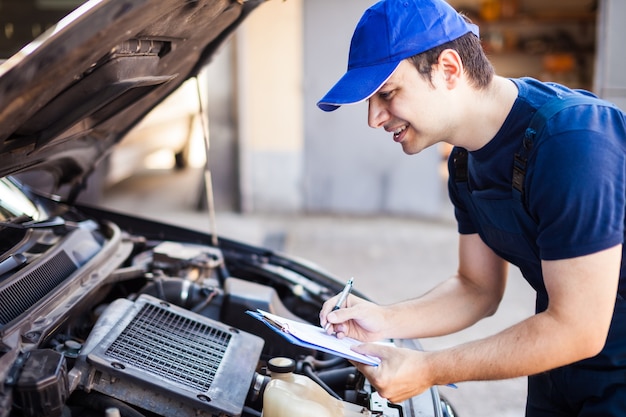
574	189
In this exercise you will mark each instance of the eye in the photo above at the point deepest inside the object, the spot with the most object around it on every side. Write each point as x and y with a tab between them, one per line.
385	95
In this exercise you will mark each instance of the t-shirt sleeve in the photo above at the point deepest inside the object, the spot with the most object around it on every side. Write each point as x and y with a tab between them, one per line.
576	187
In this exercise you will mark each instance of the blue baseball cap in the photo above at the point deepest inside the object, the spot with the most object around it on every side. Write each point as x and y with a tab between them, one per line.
389	32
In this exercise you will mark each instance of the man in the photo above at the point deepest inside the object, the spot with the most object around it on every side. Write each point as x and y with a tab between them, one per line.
549	199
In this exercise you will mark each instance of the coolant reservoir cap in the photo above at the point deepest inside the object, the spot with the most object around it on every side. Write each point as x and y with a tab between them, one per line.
281	365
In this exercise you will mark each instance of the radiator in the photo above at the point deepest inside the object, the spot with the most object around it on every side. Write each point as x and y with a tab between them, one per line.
169	360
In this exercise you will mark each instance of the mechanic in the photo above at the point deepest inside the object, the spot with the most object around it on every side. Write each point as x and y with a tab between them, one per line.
546	194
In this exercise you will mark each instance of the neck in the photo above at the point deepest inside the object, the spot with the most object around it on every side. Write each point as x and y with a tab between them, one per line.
486	112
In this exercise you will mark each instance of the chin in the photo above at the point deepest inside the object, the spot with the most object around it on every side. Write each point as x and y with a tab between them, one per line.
410	150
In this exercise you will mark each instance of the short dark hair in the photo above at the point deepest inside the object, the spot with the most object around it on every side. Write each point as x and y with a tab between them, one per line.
479	69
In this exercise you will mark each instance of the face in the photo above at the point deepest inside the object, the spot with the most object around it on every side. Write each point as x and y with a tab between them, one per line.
412	109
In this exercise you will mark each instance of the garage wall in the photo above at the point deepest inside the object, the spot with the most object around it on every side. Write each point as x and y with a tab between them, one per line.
610	81
269	104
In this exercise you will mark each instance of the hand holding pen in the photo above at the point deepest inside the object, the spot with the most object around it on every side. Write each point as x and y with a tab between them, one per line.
367	331
342	299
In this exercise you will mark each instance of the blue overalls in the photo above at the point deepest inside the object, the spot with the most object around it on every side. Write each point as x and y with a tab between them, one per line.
502	221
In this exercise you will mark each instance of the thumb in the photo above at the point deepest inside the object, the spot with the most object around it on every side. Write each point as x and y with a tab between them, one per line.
377	350
342	315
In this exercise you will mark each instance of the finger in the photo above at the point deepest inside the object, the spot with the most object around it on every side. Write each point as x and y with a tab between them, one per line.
341	330
330	328
341	315
323	320
330	304
372	349
327	307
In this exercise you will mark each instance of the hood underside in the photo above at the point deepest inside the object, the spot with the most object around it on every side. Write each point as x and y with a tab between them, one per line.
69	96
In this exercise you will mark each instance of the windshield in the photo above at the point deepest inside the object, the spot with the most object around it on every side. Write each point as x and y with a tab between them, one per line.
14	204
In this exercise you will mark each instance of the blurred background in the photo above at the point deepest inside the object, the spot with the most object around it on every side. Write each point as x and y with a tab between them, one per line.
272	150
324	186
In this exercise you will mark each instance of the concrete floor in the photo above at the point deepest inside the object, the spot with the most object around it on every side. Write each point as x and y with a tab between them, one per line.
391	259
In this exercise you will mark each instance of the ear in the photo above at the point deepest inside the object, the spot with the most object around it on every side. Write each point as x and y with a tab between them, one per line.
452	66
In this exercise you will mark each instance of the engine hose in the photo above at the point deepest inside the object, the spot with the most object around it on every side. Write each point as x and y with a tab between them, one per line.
174	290
323	364
337	377
251	411
198	308
307	369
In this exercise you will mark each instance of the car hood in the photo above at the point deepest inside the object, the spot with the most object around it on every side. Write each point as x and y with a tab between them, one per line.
74	92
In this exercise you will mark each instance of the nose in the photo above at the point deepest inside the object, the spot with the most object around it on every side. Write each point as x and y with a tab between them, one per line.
377	114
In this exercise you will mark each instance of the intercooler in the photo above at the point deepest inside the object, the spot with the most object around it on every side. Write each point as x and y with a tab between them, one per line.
169	360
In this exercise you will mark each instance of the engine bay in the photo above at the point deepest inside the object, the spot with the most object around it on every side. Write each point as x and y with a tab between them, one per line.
110	312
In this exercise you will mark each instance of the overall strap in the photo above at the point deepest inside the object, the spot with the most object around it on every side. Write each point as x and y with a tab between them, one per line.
537	123
459	159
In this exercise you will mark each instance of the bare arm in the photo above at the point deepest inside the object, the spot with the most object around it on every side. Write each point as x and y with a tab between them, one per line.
473	293
470	295
582	295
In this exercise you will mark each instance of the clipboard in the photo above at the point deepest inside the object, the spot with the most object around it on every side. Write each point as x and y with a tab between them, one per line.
313	337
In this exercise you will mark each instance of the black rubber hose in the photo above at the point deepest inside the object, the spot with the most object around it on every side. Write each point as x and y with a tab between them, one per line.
307	369
337	377
323	364
251	412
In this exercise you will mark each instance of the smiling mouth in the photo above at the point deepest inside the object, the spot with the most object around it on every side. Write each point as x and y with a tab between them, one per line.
398	132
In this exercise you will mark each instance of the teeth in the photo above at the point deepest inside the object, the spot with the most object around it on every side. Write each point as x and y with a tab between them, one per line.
398	131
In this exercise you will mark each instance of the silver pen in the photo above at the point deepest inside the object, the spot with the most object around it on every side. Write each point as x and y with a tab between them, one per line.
342	299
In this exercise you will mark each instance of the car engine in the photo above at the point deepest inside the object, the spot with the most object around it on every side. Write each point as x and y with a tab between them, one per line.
102	312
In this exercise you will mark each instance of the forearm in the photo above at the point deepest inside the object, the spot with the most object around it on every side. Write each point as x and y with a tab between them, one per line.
535	345
573	327
453	305
473	293
460	301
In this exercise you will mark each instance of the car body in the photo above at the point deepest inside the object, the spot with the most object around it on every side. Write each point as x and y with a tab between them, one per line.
166	132
169	127
104	311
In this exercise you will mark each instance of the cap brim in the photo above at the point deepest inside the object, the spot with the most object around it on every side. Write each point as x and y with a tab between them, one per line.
357	85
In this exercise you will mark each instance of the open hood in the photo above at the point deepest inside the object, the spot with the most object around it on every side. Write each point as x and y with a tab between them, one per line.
74	92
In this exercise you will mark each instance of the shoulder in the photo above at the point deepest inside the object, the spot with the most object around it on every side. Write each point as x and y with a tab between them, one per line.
553	109
568	128
597	116
537	94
